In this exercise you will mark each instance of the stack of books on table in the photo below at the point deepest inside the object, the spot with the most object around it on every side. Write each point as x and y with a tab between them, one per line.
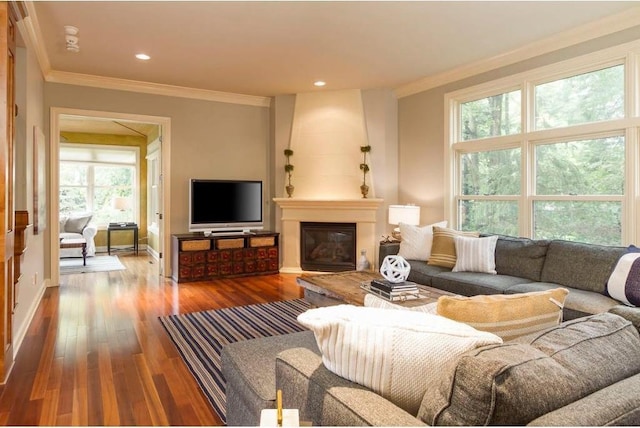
405	290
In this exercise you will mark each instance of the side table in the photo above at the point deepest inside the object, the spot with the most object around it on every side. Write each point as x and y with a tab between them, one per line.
123	226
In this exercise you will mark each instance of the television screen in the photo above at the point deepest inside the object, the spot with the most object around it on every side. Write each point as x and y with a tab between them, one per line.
218	205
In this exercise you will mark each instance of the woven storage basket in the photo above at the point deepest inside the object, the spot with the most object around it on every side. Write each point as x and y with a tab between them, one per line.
196	245
223	244
263	241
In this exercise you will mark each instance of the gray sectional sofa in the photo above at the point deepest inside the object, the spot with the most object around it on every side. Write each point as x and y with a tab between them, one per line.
525	265
584	372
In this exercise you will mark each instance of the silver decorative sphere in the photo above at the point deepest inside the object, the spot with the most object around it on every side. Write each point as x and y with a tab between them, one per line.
395	269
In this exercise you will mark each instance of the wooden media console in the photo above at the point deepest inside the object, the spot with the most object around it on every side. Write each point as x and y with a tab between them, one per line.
196	257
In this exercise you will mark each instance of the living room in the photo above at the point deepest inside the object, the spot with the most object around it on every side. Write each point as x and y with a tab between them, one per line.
221	134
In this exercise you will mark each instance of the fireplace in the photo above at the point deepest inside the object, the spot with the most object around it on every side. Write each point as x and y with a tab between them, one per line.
327	247
363	212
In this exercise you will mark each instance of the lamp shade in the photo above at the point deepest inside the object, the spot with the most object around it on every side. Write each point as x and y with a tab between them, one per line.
408	214
121	203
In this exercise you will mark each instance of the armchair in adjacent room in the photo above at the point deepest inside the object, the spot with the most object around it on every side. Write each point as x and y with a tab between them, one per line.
78	226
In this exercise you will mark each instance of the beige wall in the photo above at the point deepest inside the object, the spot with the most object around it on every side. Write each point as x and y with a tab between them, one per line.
208	139
421	127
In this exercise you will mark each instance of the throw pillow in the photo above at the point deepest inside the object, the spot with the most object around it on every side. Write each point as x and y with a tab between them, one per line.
63	220
416	240
624	282
507	315
373	301
385	350
76	224
443	250
475	254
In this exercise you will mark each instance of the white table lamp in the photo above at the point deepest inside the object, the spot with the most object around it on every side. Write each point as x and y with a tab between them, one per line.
407	214
121	203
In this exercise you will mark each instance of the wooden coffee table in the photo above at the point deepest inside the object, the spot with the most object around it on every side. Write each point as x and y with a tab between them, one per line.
76	243
344	287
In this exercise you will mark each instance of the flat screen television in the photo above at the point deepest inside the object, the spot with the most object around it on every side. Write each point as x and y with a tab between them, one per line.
219	206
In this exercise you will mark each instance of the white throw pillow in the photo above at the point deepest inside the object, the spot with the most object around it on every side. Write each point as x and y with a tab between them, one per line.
373	301
397	354
475	254
416	240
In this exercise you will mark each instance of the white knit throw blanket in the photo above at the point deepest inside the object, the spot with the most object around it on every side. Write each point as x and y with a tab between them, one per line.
398	354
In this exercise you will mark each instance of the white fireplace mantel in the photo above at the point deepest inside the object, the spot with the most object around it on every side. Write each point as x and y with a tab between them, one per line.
363	212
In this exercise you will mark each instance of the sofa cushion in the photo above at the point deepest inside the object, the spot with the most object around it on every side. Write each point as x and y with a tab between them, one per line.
76	223
581	266
443	249
579	303
475	254
422	273
416	240
472	283
508	316
248	367
514	383
628	313
521	257
384	349
615	405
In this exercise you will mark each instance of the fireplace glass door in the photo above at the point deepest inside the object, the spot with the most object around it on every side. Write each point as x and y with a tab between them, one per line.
327	247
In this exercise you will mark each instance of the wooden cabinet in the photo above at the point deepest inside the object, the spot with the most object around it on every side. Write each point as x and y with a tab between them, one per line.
195	257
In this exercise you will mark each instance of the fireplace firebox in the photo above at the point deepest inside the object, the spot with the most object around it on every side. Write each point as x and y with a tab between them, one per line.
327	247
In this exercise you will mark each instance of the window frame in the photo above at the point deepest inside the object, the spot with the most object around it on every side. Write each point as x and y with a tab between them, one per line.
91	176
529	138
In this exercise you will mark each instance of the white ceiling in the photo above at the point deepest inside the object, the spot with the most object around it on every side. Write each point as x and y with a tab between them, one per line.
271	48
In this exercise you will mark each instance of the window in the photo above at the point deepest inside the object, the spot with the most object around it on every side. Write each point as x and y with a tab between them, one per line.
491	116
554	159
588	97
490	187
92	176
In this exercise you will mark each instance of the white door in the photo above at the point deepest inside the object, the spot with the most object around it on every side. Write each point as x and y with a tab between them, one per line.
154	199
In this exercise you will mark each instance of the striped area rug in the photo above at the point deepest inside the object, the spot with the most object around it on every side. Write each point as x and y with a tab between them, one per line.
200	336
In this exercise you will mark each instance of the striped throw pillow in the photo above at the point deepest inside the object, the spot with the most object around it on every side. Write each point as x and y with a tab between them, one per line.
475	254
624	282
507	315
443	248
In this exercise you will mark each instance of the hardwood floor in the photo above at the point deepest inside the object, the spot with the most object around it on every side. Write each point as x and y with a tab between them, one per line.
96	354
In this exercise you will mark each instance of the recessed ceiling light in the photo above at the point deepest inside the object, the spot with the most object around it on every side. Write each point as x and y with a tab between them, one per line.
143	57
319	83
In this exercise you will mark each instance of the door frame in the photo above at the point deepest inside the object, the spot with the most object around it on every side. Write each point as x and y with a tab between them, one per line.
54	173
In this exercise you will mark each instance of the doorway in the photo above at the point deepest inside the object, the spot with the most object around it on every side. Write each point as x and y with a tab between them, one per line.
62	117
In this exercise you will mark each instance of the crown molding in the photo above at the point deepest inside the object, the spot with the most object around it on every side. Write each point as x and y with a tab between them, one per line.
590	31
30	30
78	79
